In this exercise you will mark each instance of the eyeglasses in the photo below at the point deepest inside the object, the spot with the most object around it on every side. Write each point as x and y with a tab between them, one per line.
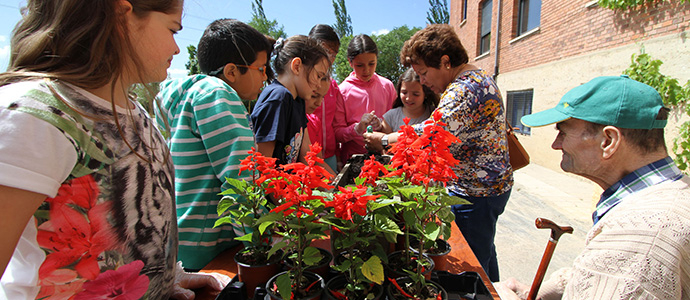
219	70
260	69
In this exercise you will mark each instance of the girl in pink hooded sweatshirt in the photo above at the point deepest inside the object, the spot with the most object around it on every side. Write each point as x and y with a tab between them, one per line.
366	97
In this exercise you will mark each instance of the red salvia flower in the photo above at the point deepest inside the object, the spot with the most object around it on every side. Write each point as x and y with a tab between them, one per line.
371	170
350	201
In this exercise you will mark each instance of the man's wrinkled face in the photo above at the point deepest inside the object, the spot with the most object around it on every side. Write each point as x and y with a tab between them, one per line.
581	148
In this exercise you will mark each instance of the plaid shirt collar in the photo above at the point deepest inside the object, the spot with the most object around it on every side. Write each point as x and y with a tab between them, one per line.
649	175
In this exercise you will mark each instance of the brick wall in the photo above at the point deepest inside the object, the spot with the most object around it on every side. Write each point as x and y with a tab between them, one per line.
567	28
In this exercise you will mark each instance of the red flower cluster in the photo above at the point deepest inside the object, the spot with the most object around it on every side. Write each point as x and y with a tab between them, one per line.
425	158
350	201
292	183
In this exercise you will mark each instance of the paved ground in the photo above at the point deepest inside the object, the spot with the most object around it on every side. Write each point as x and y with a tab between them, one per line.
564	199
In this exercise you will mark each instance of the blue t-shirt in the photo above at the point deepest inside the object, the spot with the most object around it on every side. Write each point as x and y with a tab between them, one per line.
280	117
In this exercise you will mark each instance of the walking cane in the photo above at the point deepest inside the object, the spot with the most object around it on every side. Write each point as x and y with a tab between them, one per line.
556	232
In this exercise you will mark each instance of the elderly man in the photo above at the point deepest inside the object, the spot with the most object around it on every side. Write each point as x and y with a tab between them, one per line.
610	130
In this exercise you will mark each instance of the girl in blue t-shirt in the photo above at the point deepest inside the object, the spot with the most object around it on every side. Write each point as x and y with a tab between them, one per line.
279	117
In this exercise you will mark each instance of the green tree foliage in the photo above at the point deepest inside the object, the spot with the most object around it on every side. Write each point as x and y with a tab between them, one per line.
646	69
343	22
192	64
389	45
630	4
145	93
438	12
342	66
262	24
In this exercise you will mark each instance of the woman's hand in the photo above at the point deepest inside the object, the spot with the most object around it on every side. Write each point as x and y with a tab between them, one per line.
373	141
185	282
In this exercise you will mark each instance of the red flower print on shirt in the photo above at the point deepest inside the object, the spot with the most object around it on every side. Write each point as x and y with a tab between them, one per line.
125	283
62	284
77	232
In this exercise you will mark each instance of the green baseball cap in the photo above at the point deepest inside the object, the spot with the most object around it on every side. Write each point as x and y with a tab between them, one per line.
608	100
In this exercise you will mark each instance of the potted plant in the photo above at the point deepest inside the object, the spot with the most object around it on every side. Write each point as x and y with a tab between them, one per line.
245	205
418	171
360	221
299	206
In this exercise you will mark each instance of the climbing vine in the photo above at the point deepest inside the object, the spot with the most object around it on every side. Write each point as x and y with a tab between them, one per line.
630	4
646	69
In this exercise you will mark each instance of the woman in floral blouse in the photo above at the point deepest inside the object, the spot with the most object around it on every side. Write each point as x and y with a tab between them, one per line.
472	107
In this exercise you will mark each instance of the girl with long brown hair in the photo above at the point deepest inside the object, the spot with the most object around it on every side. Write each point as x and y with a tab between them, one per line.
86	192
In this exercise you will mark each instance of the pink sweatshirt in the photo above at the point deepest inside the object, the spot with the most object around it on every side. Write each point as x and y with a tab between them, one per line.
320	131
360	97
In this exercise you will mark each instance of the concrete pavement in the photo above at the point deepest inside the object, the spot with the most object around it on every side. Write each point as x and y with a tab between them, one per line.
565	199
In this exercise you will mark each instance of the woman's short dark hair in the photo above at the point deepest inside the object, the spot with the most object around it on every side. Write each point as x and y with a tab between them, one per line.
430	44
361	44
431	99
230	41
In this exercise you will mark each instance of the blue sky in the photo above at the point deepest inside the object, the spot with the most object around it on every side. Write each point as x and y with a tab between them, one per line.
297	17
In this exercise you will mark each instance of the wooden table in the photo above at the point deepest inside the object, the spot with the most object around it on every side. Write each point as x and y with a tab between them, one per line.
461	259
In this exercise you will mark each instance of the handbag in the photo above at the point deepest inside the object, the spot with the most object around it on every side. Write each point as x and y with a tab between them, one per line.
519	157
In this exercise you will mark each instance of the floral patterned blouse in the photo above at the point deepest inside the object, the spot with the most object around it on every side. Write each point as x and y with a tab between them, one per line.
472	107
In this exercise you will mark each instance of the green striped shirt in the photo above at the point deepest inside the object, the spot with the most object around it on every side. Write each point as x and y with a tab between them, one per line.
209	135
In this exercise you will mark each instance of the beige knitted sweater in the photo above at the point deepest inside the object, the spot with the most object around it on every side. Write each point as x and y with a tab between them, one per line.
639	250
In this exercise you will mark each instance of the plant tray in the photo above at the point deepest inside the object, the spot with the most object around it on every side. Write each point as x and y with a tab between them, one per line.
354	165
235	290
466	285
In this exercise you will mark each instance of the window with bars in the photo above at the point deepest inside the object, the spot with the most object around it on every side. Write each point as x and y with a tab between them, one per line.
518	104
529	15
485	40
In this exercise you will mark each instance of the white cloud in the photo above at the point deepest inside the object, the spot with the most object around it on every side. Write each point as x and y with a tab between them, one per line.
380	32
3	38
177	73
4	57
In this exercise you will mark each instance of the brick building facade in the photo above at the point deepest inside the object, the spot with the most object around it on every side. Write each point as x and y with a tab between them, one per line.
547	47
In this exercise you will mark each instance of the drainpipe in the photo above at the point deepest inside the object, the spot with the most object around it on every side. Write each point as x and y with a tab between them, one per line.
498	33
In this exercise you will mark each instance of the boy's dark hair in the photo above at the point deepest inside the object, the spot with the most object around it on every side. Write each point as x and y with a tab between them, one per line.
231	41
361	44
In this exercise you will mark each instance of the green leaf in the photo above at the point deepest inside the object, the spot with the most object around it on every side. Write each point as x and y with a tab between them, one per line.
276	247
311	256
284	285
244	238
224	220
453	200
432	231
236	186
372	269
263	226
269	218
225	203
384	224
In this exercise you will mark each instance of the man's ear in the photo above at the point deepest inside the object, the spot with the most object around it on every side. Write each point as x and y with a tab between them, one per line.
296	65
612	139
230	72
